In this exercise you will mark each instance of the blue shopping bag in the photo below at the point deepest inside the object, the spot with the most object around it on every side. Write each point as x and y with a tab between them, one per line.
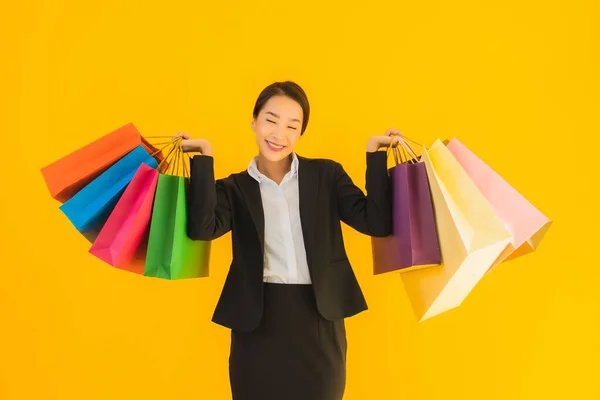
92	205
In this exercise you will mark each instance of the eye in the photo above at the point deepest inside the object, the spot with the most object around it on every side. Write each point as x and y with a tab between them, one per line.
293	127
270	121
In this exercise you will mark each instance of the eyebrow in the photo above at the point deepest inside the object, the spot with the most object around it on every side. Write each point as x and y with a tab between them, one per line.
277	116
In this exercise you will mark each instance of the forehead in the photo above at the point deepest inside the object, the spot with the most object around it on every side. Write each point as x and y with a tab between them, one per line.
283	106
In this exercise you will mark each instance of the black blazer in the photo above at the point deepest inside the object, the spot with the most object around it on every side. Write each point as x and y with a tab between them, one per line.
327	197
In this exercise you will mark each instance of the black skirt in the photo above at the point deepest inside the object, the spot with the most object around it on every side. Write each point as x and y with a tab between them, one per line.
293	354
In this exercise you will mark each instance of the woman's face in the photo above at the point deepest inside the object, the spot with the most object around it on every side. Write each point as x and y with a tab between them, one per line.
278	127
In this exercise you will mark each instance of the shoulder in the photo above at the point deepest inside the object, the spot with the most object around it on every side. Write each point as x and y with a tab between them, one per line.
323	164
231	178
236	178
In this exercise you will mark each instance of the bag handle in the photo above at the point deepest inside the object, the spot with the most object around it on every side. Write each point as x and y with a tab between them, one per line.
406	147
393	148
174	158
186	172
178	156
401	143
169	154
174	166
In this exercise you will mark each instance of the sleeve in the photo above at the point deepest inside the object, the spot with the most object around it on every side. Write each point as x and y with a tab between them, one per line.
370	214
209	211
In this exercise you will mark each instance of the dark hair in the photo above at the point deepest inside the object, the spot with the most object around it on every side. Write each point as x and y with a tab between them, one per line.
289	89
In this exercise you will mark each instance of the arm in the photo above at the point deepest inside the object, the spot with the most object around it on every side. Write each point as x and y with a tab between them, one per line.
370	214
209	212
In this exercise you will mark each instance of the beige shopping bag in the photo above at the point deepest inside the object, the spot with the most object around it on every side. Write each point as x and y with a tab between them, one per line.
471	236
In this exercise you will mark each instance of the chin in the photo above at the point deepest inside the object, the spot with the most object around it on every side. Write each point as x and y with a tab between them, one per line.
275	156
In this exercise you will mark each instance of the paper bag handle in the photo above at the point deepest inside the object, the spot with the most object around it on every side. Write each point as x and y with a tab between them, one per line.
401	143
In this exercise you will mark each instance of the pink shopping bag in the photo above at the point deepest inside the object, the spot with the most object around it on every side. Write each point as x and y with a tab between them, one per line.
526	224
127	226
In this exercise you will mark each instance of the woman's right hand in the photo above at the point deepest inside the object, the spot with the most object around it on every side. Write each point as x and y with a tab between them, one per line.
188	144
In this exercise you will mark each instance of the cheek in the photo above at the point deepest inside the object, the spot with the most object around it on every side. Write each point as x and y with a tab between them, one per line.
264	130
261	131
293	137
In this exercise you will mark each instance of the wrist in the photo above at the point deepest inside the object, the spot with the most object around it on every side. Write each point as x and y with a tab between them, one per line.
372	146
197	146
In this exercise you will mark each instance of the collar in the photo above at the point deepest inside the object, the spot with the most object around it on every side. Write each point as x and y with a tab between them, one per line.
256	174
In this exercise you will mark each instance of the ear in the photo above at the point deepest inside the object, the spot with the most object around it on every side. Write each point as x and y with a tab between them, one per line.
253	124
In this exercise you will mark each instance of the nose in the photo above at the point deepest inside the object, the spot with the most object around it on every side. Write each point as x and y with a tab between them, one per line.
277	134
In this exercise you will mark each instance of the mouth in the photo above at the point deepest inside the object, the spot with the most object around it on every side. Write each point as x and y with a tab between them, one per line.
274	146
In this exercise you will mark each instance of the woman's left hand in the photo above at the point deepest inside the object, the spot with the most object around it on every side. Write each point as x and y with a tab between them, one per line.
377	142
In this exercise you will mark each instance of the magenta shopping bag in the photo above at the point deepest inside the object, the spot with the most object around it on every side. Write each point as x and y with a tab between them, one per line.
123	233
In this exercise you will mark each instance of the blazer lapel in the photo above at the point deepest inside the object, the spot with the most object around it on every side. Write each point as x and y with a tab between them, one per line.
251	193
308	187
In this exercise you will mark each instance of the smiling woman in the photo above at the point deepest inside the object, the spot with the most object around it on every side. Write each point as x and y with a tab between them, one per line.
291	285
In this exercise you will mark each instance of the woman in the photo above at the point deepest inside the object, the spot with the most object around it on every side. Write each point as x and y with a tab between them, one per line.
290	284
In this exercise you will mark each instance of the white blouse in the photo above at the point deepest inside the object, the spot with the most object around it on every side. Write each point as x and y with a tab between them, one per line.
284	252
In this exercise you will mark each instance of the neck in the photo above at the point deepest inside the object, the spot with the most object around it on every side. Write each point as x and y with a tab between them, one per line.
274	170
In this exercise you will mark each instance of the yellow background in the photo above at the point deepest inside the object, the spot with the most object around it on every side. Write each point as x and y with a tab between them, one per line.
517	82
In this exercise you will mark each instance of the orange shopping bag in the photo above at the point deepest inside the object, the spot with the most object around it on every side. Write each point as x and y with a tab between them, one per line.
68	175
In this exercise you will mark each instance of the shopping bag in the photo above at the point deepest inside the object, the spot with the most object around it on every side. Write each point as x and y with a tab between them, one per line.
471	236
414	240
68	175
89	208
171	254
523	220
121	236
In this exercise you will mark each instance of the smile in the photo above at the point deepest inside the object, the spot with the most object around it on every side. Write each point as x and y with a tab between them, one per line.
274	147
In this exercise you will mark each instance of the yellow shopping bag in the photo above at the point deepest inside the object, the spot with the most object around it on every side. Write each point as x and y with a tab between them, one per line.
471	236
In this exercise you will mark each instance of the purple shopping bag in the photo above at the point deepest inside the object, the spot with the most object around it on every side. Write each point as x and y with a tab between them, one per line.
414	240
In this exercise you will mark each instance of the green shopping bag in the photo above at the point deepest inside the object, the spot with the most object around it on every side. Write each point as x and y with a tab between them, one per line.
171	254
